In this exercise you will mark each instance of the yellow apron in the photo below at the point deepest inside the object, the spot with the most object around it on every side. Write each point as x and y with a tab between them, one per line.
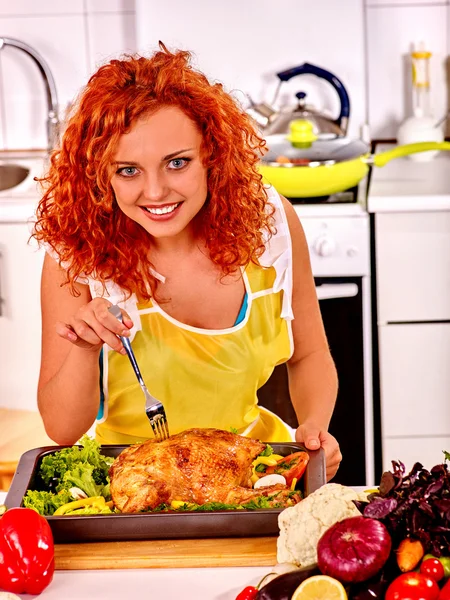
205	378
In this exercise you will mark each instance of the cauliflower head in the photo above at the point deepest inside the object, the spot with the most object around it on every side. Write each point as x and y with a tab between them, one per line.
301	526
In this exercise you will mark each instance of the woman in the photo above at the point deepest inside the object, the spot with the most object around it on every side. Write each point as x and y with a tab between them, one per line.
154	202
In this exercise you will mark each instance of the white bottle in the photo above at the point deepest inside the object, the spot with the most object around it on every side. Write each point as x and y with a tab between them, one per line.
422	126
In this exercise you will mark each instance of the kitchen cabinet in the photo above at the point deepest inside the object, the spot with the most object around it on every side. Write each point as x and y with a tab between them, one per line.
413	256
410	203
412	252
20	319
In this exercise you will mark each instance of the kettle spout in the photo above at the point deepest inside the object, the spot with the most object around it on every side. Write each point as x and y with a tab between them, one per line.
262	113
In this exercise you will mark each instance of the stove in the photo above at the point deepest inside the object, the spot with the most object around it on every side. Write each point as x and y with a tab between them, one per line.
337	231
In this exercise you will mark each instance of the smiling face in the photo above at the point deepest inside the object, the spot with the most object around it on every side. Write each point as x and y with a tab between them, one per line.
159	179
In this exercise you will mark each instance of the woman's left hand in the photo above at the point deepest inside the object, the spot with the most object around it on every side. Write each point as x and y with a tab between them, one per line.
313	438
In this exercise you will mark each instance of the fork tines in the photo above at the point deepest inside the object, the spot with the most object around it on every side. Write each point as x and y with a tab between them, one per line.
159	424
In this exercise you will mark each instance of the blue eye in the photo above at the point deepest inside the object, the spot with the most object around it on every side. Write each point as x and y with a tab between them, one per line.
127	171
178	163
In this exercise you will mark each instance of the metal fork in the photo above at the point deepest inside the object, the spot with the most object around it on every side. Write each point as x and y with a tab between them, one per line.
153	408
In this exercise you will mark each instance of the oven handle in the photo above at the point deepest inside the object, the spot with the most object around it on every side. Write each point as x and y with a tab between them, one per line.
328	291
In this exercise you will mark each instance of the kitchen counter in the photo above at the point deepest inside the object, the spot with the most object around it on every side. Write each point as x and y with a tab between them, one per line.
159	584
405	185
222	583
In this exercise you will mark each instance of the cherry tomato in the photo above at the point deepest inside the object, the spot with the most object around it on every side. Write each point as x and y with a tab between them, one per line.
412	586
291	467
444	560
445	592
433	568
248	593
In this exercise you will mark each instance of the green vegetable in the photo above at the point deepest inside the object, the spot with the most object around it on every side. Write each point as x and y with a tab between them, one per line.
255	504
83	477
445	561
268	450
260	468
78	466
90	510
58	463
45	503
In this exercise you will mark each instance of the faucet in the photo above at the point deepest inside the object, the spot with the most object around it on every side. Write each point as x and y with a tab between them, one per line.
50	87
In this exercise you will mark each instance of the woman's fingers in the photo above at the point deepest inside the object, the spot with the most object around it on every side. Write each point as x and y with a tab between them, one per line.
333	454
312	437
333	460
66	332
332	468
125	325
127	321
94	325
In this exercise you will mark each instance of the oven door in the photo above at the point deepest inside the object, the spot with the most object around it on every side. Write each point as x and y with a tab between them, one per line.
341	304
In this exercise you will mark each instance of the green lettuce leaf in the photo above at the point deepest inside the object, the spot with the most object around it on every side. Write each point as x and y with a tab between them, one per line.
88	452
45	503
82	476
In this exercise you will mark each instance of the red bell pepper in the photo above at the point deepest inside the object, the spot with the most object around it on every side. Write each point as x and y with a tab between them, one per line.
27	558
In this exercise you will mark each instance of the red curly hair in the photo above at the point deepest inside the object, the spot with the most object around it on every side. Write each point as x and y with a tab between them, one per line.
78	216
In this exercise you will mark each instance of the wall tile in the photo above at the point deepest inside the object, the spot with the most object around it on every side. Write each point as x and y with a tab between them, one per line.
447	68
109	36
61	40
247	51
116	6
391	33
40	7
405	2
2	116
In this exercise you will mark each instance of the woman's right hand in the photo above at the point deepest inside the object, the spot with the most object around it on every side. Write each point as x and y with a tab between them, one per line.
93	325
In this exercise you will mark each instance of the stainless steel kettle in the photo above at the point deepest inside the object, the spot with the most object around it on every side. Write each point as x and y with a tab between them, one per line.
271	121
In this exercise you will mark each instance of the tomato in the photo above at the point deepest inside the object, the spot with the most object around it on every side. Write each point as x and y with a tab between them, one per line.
445	592
248	593
291	467
433	568
412	586
444	560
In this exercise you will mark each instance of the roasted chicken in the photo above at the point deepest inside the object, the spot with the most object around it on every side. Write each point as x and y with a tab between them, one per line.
194	466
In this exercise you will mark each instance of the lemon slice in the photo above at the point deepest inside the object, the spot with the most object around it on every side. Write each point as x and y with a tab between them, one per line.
320	587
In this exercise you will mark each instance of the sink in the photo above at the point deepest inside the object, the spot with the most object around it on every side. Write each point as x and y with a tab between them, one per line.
12	175
19	190
18	170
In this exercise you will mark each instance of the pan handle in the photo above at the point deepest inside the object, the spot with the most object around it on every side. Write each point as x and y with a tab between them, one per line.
379	160
308	69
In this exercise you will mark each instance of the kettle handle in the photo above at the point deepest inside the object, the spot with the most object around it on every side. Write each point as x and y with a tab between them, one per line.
308	69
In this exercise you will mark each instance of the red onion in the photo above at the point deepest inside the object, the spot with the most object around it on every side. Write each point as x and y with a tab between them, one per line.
354	549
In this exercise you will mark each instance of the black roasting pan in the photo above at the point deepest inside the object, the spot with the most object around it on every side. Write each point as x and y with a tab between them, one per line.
170	525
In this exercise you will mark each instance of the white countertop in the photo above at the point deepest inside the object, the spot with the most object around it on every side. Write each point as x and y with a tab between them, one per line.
156	584
405	185
169	584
